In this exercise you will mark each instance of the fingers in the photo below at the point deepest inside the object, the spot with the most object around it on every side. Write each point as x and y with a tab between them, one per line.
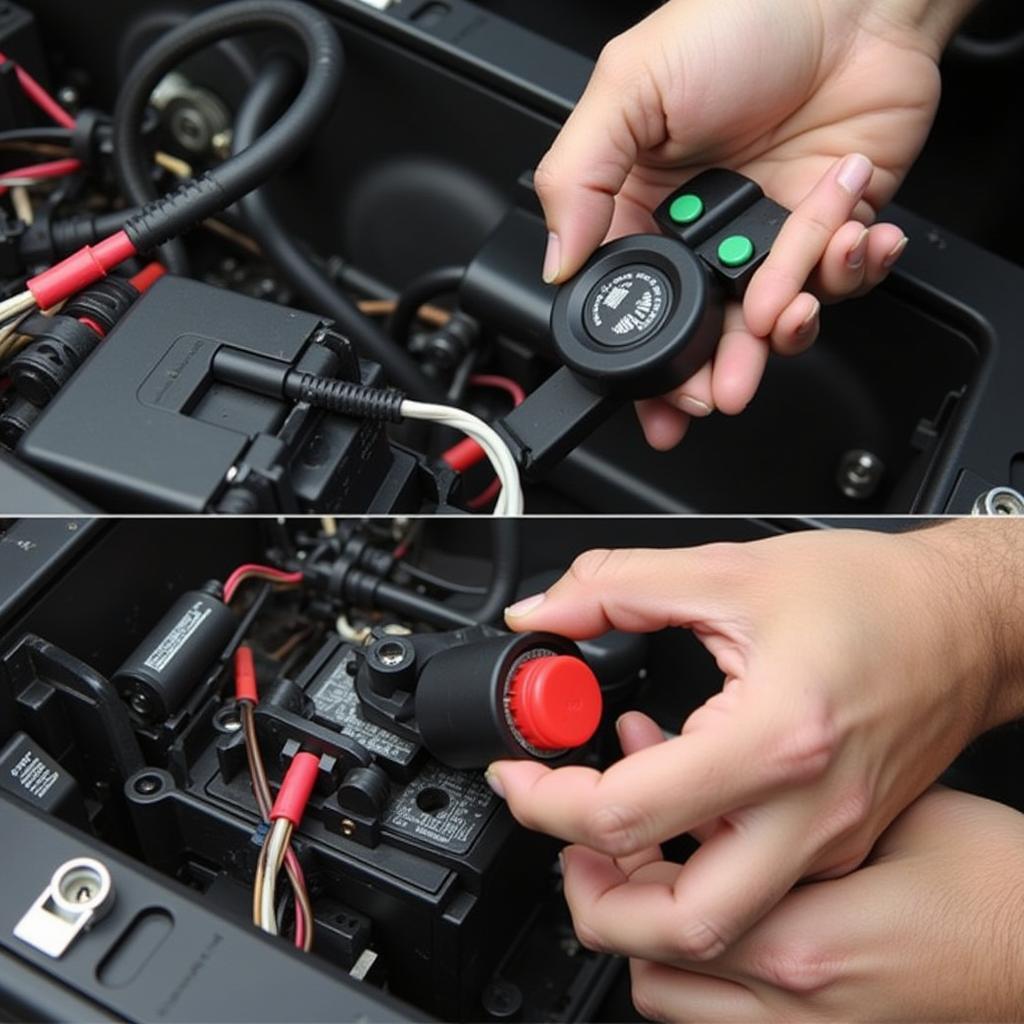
649	797
857	260
664	993
803	242
693	913
739	365
584	170
664	426
639	591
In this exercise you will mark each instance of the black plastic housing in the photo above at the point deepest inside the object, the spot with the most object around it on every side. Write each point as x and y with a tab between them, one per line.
461	699
144	425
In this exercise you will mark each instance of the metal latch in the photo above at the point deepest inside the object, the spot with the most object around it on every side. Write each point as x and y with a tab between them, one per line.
80	893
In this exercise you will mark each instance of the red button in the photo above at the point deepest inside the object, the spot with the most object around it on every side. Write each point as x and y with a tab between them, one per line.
555	702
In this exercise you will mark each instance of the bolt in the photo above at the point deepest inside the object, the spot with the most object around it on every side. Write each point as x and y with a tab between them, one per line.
1000	501
348	827
860	474
147	785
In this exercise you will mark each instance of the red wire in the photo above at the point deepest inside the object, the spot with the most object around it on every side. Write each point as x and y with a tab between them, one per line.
39	96
253	570
490	380
468	453
39	172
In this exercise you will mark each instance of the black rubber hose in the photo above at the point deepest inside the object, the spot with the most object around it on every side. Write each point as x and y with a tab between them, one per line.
501	590
421	291
318	291
192	202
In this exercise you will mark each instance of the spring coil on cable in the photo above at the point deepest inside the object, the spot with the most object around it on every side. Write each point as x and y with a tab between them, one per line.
345	397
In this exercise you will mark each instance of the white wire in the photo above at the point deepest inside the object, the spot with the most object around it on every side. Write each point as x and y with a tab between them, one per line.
277	843
510	501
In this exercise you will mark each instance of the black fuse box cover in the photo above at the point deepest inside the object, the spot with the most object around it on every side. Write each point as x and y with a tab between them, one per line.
142	426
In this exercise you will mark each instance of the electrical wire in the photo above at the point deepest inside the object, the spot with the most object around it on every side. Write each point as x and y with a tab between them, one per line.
430	580
246	696
30	136
422	290
34	173
278	837
167	218
312	284
510	500
254	571
39	96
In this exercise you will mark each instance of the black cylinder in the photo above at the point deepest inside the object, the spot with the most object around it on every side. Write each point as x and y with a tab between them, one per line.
177	653
364	792
461	706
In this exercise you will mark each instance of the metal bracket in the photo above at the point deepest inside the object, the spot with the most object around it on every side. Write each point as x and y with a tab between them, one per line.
80	893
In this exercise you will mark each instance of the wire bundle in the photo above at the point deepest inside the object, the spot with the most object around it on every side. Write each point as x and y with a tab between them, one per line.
246	695
510	500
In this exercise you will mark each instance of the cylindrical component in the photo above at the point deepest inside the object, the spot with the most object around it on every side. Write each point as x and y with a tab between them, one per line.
19	415
514	696
364	792
42	368
177	653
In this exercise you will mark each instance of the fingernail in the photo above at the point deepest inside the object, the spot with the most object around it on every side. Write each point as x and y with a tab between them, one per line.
855	173
561	861
495	783
890	260
524	607
810	319
859	253
552	259
693	406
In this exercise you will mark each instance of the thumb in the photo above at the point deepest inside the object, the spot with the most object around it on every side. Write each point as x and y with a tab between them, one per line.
583	172
639	591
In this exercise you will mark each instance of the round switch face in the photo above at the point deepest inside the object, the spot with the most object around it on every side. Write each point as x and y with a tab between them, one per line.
555	702
627	305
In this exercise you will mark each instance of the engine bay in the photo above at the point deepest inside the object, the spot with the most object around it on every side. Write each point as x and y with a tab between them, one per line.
150	744
395	242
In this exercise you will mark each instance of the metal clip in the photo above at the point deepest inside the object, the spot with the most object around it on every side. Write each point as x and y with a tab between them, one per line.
79	894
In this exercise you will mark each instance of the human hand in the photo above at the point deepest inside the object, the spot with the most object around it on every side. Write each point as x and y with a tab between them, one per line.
825	103
857	666
929	929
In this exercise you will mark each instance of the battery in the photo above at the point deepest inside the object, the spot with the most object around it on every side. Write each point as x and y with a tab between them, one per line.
177	653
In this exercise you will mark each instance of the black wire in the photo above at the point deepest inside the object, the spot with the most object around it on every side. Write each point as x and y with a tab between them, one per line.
421	291
271	90
58	136
505	574
193	201
423	576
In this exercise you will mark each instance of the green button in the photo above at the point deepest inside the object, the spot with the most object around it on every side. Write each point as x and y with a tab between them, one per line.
686	209
735	251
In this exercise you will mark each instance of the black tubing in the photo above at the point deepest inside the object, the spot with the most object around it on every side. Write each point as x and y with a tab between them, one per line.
165	218
422	290
267	96
501	590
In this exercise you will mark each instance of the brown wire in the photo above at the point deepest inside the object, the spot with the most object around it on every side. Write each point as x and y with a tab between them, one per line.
433	315
264	800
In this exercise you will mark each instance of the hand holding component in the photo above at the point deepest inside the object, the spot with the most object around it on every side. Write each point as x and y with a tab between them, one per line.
856	667
782	96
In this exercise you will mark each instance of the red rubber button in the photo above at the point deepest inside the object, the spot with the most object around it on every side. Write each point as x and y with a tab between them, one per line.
555	702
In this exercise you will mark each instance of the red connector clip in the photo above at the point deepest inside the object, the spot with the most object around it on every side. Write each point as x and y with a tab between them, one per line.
245	675
296	789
